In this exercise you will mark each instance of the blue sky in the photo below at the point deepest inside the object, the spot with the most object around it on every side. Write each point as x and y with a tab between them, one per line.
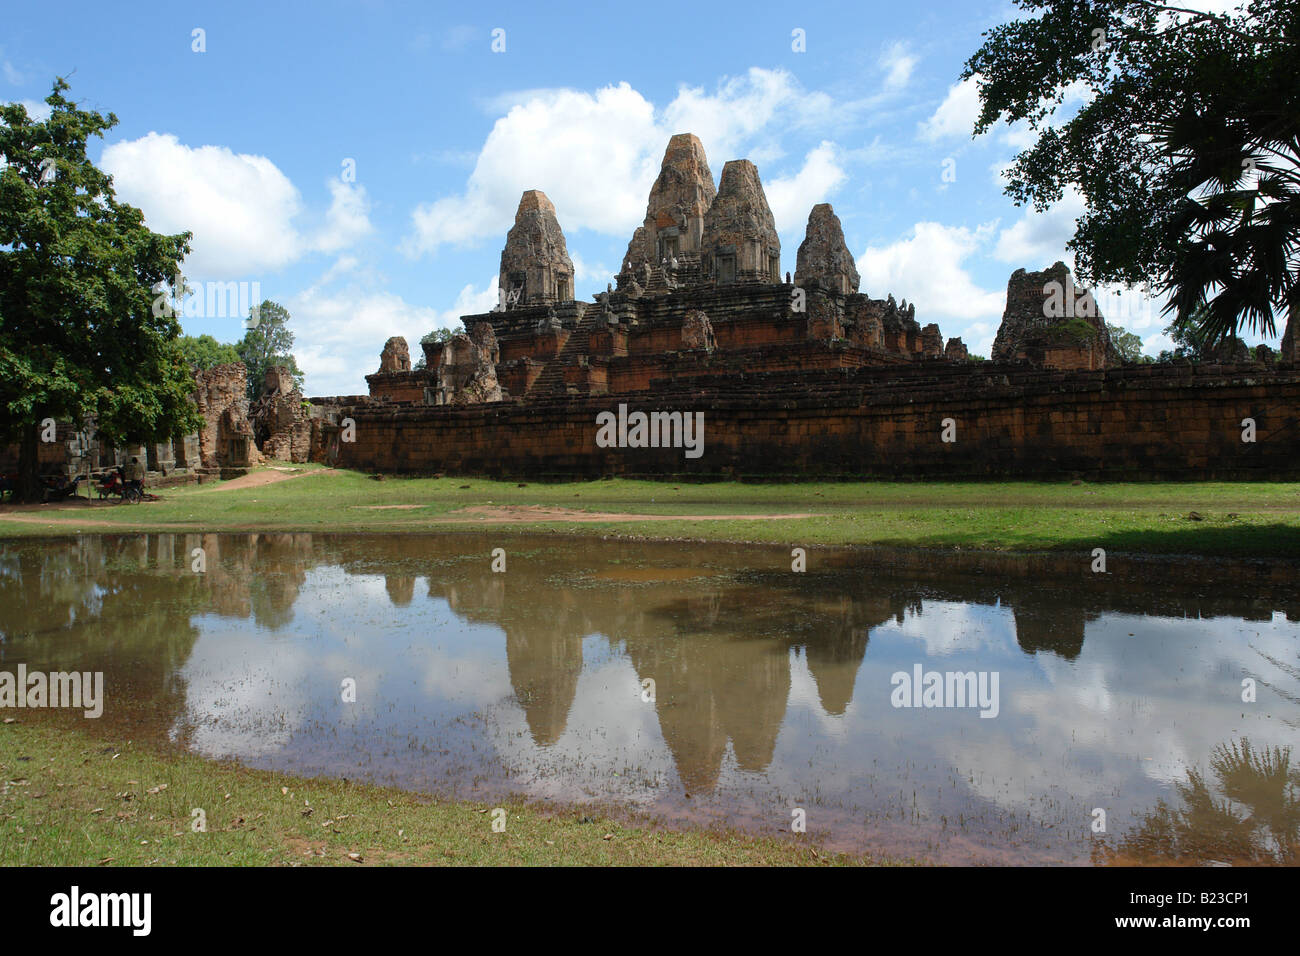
251	144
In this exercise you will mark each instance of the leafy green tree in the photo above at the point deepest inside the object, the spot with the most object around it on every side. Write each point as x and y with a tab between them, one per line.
267	343
1190	342
1127	344
79	336
437	335
1186	151
205	352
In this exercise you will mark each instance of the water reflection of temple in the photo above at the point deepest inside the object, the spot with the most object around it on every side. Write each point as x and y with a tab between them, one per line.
718	637
125	605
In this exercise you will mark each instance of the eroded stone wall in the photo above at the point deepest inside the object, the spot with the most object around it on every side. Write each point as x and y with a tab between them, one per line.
1132	423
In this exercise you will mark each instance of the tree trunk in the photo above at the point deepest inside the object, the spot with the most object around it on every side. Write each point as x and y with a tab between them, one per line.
29	487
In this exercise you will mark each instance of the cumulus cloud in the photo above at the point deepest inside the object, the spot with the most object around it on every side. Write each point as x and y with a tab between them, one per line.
1038	239
956	115
792	197
612	142
340	332
927	268
240	207
740	107
598	180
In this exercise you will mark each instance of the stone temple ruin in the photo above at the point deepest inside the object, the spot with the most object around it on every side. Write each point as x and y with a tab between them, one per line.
796	375
700	292
234	436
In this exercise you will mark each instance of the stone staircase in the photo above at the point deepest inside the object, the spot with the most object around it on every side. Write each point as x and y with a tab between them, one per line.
551	379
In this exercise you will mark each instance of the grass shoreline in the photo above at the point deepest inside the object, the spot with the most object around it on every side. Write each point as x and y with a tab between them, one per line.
1207	519
71	798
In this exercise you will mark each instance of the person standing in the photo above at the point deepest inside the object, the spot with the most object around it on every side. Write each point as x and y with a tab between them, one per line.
135	475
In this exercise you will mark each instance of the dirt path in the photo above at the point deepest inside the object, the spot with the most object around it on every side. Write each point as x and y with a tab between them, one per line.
268	477
41	518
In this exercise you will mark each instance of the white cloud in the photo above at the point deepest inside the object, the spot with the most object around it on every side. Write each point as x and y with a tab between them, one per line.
342	265
792	197
339	334
240	207
1038	239
598	180
928	269
898	63
612	142
1019	136
348	218
472	301
12	74
957	113
740	108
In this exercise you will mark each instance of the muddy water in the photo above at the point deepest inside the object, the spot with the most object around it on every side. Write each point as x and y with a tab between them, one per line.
772	690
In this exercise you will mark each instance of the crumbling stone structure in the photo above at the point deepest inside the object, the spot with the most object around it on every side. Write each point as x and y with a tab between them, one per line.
697	332
823	256
466	371
281	418
396	356
227	443
1050	322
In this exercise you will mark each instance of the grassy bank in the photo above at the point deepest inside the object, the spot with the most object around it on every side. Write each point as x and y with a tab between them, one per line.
1209	518
68	798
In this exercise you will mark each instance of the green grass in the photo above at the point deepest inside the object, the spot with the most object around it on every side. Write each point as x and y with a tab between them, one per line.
1235	519
68	798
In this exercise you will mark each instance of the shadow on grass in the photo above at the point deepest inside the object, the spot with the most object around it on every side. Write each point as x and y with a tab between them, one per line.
1277	540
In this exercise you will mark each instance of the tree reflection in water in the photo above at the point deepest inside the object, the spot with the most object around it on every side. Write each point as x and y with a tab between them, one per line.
1245	812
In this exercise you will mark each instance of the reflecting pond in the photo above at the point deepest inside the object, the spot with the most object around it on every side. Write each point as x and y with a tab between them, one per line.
959	708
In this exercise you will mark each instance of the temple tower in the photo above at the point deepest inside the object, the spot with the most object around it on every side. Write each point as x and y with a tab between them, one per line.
535	264
740	242
674	216
823	254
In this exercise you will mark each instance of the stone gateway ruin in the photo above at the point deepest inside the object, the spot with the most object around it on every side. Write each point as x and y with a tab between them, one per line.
795	376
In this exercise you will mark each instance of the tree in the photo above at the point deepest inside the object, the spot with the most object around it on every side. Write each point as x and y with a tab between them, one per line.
1127	344
78	335
1186	153
267	343
1190	342
205	352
